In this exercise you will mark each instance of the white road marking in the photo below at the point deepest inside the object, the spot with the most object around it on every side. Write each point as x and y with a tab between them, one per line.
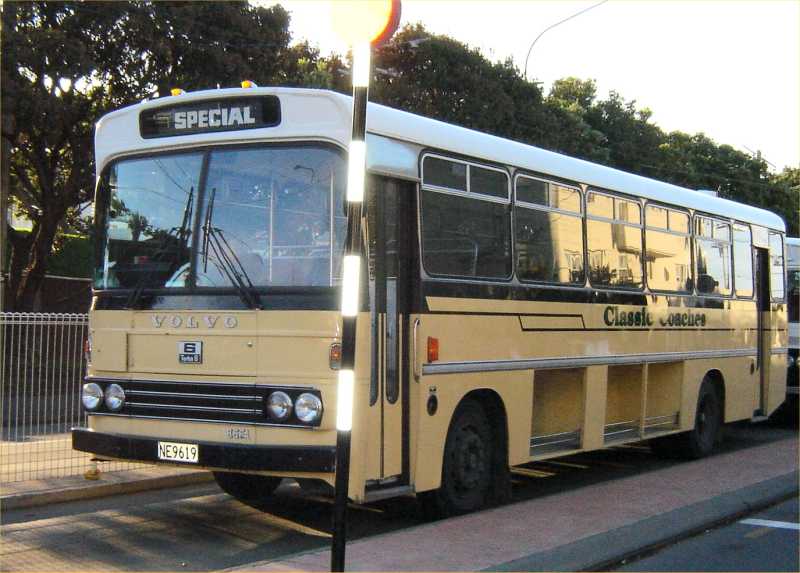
770	523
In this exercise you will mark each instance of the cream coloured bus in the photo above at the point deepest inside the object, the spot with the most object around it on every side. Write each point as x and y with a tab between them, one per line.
519	304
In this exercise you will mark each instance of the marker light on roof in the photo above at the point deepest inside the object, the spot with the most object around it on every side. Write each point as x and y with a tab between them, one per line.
249	84
176	91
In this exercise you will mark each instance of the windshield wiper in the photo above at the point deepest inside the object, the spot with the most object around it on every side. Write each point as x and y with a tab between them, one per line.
225	258
182	233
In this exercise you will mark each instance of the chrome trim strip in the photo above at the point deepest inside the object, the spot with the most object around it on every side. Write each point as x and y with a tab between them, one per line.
190	395
578	361
205	421
194	408
779	351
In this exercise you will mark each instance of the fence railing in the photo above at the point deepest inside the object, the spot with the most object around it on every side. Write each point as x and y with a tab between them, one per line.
42	366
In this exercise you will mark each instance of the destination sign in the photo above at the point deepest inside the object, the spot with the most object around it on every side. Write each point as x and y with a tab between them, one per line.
208	116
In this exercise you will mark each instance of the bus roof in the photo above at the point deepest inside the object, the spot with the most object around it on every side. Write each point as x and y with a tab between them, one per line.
326	115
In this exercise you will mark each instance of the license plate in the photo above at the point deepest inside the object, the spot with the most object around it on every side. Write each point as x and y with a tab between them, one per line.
177	452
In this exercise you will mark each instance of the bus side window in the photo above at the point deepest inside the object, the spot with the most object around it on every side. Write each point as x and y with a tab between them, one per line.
742	260
669	252
713	252
465	233
548	232
614	238
776	265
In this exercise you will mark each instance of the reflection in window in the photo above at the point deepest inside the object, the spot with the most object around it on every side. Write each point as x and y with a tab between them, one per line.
776	265
465	237
488	182
743	260
793	300
273	213
713	257
549	243
149	217
459	176
615	246
669	252
444	173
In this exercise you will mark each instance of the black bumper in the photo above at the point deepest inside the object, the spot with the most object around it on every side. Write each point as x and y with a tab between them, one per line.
213	455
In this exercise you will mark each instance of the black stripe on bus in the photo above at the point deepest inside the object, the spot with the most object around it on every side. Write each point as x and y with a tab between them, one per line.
544	293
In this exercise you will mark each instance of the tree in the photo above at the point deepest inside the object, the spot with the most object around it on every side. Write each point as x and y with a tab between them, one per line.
65	64
785	198
441	78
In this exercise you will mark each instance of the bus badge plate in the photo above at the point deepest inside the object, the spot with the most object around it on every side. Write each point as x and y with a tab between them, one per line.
190	352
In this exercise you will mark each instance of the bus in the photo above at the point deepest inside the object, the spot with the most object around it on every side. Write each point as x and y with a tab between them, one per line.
793	294
518	304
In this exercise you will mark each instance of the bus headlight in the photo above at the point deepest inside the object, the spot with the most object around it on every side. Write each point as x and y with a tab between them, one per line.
115	397
308	408
92	396
279	406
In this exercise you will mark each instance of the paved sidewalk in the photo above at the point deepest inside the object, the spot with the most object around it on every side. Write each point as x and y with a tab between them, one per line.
581	529
16	495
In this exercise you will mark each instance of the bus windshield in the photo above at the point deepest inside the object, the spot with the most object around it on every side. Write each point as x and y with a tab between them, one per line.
794	295
268	216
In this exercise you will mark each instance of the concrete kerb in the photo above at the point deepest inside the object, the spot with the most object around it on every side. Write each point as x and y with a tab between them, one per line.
603	551
75	488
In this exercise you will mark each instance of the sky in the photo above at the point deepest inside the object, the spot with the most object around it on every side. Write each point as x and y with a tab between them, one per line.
727	68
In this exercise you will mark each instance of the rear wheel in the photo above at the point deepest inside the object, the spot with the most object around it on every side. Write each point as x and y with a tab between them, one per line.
247	488
466	467
707	432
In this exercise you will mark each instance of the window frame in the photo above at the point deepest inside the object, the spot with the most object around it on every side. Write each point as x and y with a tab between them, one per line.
467	193
587	217
782	237
427	187
695	237
205	148
752	261
579	215
668	231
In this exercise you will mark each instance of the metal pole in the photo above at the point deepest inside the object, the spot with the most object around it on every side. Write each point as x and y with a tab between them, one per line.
350	294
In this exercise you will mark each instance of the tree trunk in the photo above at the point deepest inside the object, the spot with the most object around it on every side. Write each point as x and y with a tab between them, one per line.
30	281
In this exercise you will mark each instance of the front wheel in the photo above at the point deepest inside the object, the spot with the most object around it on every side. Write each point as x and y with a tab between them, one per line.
700	440
247	488
466	467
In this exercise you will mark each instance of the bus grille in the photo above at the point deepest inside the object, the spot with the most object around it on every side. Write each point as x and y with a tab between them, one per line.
200	401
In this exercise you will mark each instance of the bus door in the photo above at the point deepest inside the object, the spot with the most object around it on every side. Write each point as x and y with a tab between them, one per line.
764	327
390	228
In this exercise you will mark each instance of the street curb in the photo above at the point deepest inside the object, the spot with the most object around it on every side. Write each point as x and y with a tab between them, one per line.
603	551
100	489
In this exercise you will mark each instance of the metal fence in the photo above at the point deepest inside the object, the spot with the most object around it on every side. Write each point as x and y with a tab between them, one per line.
42	366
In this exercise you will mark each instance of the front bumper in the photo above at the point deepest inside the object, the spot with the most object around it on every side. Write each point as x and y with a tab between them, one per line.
231	457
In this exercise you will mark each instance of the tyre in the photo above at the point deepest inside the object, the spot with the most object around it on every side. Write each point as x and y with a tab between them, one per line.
707	432
466	467
247	488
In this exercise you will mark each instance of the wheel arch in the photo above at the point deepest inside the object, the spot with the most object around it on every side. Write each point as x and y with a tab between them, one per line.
718	383
497	416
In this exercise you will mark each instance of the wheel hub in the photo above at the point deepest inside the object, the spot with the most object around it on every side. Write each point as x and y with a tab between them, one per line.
470	461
